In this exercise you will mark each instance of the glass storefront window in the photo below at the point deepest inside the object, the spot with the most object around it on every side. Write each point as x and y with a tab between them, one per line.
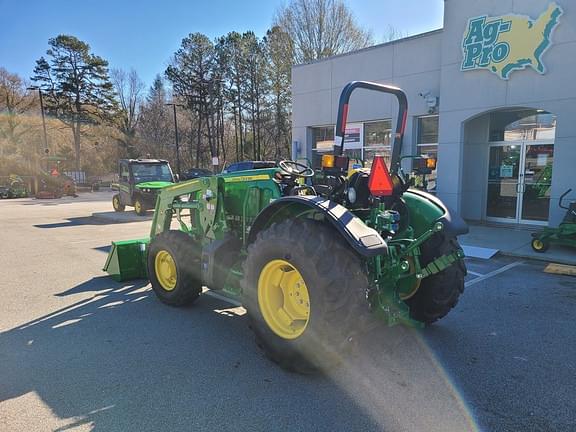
322	142
377	141
522	125
377	134
428	130
427	144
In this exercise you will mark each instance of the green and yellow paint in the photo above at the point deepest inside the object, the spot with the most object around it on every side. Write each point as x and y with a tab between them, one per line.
507	43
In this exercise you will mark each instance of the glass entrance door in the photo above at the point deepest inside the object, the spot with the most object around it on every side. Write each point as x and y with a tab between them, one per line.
503	182
536	182
519	182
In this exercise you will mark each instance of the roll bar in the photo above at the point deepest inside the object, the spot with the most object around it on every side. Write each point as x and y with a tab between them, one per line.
562	199
400	124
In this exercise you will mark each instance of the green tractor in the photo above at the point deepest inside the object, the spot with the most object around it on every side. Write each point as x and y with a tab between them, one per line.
140	181
15	188
312	256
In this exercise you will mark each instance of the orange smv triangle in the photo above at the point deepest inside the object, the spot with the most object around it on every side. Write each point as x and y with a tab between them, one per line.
380	182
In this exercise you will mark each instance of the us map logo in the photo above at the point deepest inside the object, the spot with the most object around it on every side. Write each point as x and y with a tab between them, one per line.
507	43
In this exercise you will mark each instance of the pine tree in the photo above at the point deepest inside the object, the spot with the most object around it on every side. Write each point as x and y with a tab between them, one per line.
77	87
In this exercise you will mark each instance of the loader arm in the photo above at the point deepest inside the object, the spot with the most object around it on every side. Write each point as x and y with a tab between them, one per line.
196	199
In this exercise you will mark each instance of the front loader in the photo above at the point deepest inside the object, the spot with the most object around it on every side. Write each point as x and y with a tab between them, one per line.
312	255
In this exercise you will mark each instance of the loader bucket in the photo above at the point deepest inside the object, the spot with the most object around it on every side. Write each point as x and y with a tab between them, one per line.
127	260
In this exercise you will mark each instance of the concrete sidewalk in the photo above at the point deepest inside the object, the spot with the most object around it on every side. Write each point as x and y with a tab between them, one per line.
515	241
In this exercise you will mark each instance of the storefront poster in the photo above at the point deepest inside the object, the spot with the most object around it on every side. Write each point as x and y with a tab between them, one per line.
506	171
542	160
353	137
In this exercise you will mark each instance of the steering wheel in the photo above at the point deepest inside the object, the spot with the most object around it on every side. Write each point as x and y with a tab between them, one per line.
294	168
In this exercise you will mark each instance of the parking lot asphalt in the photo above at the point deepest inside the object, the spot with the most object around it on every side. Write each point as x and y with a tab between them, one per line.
79	351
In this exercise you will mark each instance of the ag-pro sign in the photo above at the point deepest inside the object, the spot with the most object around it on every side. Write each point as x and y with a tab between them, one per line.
507	43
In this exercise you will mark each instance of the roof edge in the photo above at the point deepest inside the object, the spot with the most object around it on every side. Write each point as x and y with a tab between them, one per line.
408	38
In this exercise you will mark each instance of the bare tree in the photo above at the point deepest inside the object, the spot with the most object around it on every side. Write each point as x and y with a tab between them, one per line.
155	125
321	28
14	101
280	54
393	34
128	87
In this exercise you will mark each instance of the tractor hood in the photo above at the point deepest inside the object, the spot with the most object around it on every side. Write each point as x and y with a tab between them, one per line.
153	185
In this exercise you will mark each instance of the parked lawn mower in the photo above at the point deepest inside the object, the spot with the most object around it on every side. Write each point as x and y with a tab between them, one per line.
311	256
140	181
565	234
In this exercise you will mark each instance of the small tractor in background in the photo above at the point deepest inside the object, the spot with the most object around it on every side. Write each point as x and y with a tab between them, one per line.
312	256
140	181
13	187
564	235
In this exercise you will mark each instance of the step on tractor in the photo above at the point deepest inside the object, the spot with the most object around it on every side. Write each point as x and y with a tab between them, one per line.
140	181
564	234
313	256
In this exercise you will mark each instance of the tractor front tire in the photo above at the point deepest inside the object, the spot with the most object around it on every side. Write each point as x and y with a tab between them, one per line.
174	268
117	204
305	293
539	245
438	293
140	207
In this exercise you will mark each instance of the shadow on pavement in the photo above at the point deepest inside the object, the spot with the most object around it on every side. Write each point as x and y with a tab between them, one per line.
104	249
75	221
87	220
123	217
122	361
80	198
99	284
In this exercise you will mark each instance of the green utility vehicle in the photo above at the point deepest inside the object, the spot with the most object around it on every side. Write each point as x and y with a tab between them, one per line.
140	181
312	256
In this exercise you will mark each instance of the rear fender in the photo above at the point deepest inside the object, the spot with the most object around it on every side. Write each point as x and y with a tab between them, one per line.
363	239
426	209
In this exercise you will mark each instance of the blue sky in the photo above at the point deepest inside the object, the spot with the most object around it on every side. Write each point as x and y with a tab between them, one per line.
144	34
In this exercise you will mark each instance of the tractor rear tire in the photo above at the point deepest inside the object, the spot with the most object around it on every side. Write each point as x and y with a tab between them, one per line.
174	268
117	204
140	207
335	284
438	293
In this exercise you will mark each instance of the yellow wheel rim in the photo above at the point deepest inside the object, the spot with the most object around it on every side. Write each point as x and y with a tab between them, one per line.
538	244
137	206
115	203
165	269
283	299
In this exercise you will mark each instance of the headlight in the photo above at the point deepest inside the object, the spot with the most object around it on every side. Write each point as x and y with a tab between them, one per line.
351	195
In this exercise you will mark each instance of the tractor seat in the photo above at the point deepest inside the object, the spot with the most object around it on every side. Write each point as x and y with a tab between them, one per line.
570	214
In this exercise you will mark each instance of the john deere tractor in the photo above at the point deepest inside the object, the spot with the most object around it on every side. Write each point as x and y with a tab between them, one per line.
312	255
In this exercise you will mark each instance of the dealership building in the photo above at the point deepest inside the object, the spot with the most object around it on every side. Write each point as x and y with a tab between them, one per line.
492	96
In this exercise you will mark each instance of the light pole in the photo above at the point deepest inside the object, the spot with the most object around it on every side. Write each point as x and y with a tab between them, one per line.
43	119
173	105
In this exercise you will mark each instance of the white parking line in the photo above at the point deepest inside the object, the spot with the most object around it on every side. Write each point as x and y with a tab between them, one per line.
480	278
493	273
